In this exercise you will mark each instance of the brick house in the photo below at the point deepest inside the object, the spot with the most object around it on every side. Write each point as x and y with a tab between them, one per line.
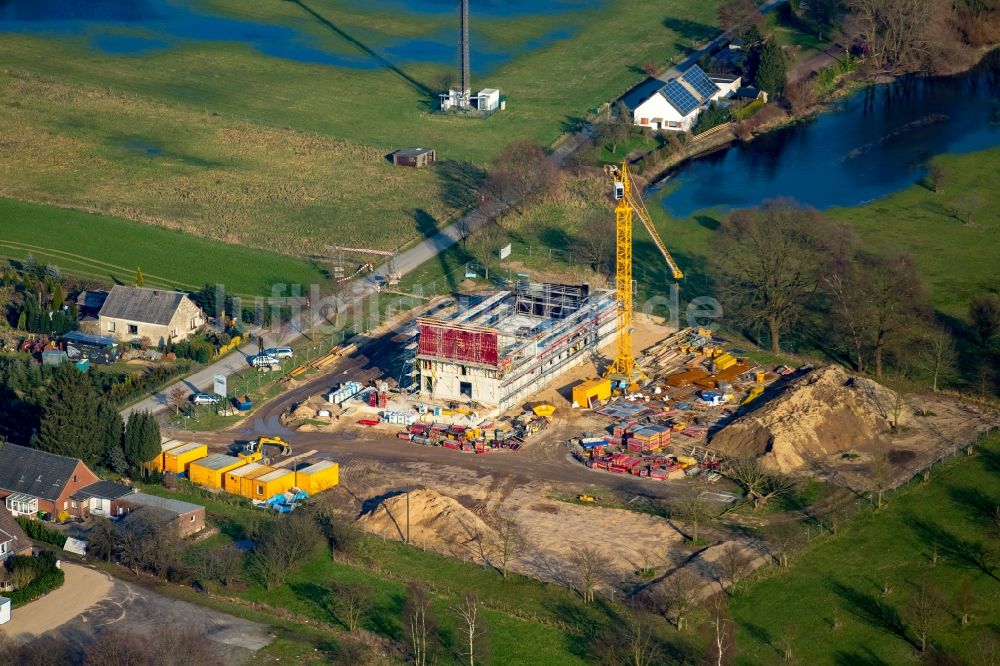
185	517
13	540
33	481
134	313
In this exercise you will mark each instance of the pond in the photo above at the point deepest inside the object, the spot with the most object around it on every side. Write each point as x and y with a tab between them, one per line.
870	145
138	27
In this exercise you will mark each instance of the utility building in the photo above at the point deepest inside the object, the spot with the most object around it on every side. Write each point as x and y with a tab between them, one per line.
498	348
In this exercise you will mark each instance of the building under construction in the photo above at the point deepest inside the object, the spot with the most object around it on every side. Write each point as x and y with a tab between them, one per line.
496	349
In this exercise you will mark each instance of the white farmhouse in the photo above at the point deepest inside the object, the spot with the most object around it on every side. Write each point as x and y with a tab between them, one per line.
132	313
676	105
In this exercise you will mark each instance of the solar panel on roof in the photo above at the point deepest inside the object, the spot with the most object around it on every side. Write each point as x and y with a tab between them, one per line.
681	99
697	79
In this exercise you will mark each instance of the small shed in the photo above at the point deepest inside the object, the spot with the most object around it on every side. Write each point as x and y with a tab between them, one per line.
273	483
97	348
414	157
233	481
53	357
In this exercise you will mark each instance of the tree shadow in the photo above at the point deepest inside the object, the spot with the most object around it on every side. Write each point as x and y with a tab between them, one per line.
972	554
708	222
572	124
873	610
689	33
384	618
982	507
761	635
555	237
364	48
460	183
316	596
863	658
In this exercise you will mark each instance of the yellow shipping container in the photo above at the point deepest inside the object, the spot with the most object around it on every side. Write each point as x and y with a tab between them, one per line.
318	477
208	472
595	389
156	464
232	481
248	482
178	460
273	483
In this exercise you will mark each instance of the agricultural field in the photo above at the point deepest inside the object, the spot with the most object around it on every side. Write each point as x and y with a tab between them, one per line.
268	125
109	249
854	598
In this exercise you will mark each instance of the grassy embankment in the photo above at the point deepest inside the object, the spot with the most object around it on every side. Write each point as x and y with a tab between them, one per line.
832	605
218	140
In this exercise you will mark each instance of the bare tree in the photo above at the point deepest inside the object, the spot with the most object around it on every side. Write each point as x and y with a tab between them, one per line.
176	398
899	34
768	262
418	624
938	356
783	539
694	510
801	96
282	544
487	243
760	484
936	177
596	241
590	564
736	564
507	540
739	16
988	647
350	603
925	611
881	472
721	649
893	300
679	596
640	645
611	133
521	172
472	628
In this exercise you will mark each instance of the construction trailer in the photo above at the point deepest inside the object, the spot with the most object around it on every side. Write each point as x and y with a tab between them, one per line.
177	460
156	464
497	348
318	477
234	481
275	482
209	472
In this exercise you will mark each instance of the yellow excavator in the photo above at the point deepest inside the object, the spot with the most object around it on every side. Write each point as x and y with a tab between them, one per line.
253	451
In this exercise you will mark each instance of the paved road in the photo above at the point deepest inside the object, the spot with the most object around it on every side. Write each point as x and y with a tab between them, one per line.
408	260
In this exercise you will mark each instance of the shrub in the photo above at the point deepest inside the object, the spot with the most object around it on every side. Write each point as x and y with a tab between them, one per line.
44	576
39	531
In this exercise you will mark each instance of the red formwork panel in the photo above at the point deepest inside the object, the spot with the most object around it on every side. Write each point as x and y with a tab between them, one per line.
459	344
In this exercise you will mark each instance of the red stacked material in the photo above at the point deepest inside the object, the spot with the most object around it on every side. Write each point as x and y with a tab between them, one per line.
404	435
368	422
451	444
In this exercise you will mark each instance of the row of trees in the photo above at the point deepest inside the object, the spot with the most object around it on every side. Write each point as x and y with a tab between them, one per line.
33	299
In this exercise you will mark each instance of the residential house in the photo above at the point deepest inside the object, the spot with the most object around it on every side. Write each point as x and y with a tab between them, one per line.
13	540
135	313
104	498
676	105
33	481
185	517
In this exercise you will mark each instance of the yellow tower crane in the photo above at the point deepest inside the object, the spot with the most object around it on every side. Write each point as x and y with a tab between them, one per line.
624	368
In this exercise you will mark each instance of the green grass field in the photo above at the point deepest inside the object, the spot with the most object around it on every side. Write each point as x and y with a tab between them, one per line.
109	249
218	140
831	602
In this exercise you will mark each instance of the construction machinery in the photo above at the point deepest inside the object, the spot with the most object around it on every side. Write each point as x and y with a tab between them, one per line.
253	451
624	369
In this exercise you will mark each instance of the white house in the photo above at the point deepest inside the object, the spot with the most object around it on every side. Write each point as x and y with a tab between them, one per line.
676	105
132	313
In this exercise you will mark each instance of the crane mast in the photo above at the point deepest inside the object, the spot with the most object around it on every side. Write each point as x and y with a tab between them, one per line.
624	367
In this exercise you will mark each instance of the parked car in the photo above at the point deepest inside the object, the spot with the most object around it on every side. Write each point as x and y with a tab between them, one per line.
263	361
279	352
204	398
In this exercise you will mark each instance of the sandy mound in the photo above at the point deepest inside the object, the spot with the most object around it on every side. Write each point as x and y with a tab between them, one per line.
822	413
436	522
304	411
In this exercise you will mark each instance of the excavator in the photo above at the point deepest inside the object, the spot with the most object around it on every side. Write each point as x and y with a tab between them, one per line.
253	451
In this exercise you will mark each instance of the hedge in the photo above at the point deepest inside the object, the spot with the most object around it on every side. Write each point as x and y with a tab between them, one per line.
39	531
47	577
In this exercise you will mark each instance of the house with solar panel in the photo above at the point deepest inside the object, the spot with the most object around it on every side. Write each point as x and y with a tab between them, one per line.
675	106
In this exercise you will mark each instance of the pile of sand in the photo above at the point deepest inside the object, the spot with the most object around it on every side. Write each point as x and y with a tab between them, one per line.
304	411
436	522
819	414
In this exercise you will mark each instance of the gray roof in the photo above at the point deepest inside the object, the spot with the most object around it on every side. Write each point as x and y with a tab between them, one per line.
92	299
413	152
11	531
34	472
138	304
177	507
104	490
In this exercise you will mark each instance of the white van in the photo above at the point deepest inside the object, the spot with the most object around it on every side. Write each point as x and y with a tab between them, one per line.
279	352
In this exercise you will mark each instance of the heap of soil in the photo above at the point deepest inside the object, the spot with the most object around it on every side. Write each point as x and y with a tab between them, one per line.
817	415
436	522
